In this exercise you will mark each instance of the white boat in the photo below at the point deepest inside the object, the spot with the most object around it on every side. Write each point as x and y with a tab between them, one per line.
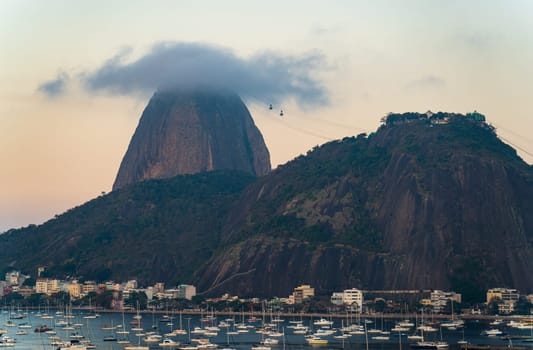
323	322
492	332
380	337
153	338
406	323
429	345
270	341
426	328
169	343
261	347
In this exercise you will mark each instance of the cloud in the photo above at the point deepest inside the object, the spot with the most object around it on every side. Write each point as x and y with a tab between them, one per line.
429	81
54	88
266	76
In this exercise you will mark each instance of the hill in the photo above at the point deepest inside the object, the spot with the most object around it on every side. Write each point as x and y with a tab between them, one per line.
428	201
424	202
157	230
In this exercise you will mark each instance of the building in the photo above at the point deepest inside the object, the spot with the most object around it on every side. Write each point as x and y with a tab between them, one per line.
40	270
352	297
15	278
47	286
89	287
25	291
337	298
186	291
301	293
505	297
159	287
74	289
131	284
439	299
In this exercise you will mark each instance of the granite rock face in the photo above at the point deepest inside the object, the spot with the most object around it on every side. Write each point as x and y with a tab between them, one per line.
413	206
187	132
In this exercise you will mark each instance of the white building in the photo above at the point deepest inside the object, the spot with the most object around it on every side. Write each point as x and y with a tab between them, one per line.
131	284
439	299
352	297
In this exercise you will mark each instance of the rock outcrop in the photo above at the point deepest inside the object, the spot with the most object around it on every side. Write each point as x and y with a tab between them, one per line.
187	132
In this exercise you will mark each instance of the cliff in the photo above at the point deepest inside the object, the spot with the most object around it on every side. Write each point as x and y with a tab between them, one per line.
187	132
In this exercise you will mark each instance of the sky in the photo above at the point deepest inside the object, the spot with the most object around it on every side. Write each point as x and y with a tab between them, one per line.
76	76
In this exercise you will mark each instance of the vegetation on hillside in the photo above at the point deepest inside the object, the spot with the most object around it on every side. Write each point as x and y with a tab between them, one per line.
158	229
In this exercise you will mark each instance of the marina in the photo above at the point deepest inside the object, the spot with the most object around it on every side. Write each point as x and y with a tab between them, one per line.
81	330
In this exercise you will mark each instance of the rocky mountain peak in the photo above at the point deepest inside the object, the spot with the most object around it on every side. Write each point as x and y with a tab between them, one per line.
192	131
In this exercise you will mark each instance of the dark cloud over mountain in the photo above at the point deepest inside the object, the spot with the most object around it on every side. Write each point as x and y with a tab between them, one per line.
265	76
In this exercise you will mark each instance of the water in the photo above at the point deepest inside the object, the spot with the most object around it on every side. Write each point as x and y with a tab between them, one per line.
92	329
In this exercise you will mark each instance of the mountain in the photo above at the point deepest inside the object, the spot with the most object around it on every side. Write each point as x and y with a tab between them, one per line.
187	132
427	201
424	202
156	230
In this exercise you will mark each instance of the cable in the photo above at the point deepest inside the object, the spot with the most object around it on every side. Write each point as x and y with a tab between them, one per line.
516	146
512	132
311	133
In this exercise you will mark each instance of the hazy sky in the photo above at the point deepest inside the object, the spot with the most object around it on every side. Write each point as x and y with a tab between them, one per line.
75	77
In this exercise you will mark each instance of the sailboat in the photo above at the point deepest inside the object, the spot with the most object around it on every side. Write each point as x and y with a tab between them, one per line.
462	341
110	337
123	329
433	345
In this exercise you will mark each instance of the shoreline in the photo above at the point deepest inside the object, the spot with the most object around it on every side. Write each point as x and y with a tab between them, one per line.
293	315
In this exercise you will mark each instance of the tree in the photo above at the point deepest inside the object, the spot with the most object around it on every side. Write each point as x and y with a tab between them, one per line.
493	308
104	300
523	307
137	299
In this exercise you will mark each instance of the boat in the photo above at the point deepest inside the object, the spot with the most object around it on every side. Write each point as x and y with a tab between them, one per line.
381	337
270	341
152	338
316	341
492	332
429	345
42	329
169	343
136	347
323	322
